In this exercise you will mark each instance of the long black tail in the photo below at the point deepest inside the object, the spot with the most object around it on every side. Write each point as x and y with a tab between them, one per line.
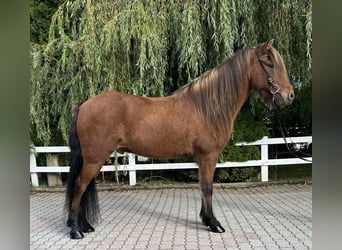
89	206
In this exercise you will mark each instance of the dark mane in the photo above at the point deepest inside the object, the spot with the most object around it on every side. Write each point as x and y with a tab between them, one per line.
278	62
214	94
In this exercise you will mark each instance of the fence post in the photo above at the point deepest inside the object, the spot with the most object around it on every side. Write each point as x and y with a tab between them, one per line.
264	160
132	172
54	179
33	165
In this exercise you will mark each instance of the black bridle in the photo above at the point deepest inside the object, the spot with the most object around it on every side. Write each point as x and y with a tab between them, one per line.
274	88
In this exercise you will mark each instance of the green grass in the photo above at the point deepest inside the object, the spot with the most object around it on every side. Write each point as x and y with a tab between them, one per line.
291	172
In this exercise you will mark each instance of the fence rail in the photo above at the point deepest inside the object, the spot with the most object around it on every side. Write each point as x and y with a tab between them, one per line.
133	166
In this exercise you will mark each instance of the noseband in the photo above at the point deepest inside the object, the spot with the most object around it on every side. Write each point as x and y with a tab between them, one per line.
274	88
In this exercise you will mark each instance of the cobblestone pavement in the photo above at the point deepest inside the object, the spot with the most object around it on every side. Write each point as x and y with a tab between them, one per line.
264	217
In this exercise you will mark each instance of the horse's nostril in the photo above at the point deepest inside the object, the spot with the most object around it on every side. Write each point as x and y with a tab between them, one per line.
291	96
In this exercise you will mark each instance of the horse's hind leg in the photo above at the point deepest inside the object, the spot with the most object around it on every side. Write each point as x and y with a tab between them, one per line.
207	164
84	202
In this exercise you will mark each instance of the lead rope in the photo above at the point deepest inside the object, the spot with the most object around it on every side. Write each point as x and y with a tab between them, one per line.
280	121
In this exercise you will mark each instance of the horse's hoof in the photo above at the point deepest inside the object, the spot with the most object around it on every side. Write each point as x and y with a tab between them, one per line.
217	229
76	235
89	229
86	227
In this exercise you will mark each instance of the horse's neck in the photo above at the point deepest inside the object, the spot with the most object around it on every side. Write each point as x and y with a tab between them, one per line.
245	90
240	101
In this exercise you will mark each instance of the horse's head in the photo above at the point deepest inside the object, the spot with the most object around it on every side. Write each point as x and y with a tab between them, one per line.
268	75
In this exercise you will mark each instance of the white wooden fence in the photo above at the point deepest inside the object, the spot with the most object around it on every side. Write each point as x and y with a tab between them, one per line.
133	166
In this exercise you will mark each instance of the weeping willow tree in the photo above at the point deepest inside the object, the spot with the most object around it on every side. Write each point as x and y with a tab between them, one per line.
152	48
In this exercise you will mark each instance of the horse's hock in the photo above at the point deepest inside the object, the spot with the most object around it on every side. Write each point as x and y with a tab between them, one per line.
54	179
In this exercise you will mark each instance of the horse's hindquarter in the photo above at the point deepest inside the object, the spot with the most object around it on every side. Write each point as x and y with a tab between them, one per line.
99	124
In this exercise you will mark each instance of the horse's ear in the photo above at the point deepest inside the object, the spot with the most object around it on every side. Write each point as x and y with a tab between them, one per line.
267	45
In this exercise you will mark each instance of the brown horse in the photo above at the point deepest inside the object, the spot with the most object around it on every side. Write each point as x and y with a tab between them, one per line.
196	120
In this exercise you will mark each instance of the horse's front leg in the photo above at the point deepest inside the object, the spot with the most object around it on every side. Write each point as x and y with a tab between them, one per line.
207	164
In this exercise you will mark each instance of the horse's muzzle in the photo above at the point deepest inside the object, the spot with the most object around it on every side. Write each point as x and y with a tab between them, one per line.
284	98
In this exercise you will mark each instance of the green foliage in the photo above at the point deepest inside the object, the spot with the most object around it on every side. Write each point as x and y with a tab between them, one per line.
236	174
151	48
247	129
40	18
222	175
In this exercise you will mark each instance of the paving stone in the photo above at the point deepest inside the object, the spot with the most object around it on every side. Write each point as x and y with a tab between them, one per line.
266	217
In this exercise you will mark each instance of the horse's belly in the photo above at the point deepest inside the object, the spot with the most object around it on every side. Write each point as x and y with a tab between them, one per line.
158	146
156	153
156	128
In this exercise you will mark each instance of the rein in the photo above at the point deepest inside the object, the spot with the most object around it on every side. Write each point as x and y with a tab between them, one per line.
275	89
282	130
